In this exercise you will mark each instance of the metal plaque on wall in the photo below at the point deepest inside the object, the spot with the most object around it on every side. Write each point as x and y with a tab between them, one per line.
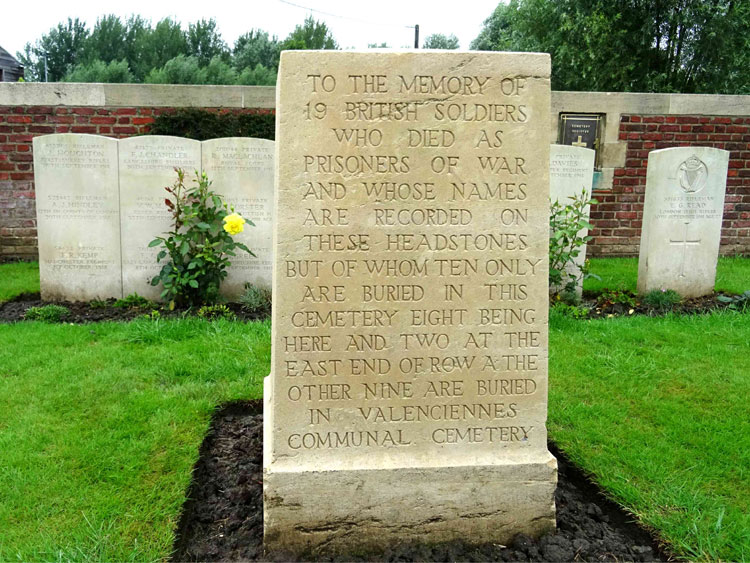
581	130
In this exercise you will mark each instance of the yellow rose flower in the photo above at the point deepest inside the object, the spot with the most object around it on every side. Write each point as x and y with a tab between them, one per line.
234	224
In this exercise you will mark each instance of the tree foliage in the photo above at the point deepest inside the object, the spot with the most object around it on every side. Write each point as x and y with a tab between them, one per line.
64	47
204	42
131	50
440	41
99	71
312	34
256	48
693	46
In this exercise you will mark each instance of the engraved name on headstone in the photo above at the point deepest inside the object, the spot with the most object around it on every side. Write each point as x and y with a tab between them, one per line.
77	205
408	392
147	166
682	217
242	170
571	171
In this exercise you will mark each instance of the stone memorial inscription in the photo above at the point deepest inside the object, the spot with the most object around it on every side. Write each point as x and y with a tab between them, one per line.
147	166
410	279
77	216
682	216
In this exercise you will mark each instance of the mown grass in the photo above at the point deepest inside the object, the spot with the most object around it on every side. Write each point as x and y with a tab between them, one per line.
17	278
732	274
100	426
655	409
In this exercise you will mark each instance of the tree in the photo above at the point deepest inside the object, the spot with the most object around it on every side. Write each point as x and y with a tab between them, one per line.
440	41
108	40
64	47
137	43
164	43
311	34
219	72
204	42
630	45
98	71
258	76
179	70
256	48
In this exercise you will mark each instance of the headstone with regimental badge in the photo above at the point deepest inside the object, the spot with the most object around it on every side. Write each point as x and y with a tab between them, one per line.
682	217
408	391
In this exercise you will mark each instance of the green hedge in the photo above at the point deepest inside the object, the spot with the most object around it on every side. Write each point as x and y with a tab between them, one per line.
202	125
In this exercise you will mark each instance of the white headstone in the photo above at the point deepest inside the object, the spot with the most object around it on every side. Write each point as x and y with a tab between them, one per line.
408	393
571	171
242	171
78	221
147	166
682	216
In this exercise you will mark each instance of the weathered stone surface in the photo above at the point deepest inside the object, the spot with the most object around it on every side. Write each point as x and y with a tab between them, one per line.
147	166
682	216
242	170
571	170
77	217
408	390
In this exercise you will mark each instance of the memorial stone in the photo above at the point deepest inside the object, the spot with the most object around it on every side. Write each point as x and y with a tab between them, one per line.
77	204
571	171
408	391
147	166
682	217
242	171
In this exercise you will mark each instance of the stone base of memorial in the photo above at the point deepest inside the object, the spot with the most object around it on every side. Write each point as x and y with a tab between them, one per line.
353	511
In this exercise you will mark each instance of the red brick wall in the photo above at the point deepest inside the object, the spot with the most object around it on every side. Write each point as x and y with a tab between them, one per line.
618	215
18	126
616	218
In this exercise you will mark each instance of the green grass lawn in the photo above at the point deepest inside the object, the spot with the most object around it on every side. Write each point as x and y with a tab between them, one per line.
656	410
732	274
17	278
100	424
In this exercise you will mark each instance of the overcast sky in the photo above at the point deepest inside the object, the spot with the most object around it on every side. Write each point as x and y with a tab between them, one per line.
354	23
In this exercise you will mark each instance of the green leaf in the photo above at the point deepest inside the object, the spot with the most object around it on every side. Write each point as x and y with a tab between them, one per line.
155	242
193	284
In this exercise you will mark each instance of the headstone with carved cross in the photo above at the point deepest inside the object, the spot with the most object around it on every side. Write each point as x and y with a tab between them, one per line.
682	217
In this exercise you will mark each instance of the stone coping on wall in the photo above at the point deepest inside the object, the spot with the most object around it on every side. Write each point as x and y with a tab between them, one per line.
264	97
135	95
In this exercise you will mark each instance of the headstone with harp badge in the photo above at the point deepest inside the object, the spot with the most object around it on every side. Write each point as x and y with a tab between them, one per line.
682	217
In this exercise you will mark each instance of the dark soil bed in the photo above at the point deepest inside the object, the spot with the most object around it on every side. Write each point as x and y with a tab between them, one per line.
82	312
601	307
223	520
